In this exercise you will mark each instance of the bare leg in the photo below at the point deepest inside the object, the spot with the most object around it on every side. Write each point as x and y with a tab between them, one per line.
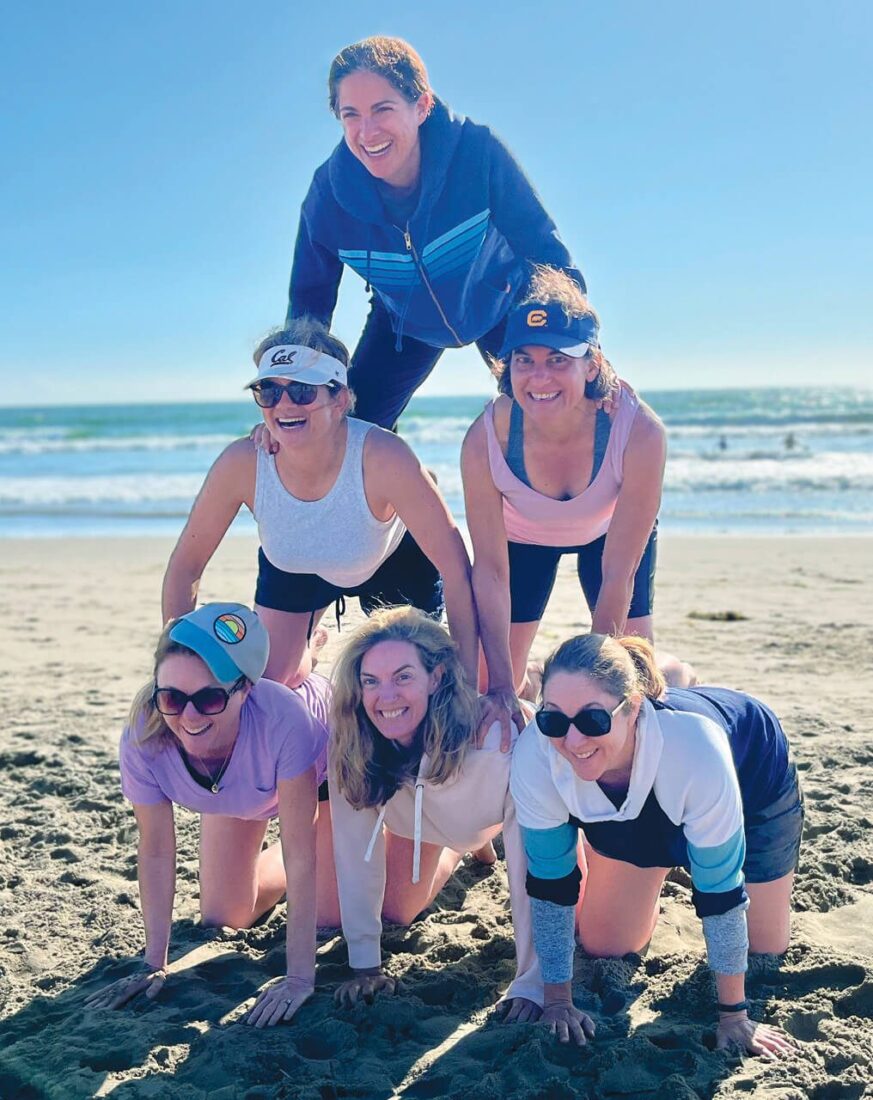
290	654
521	638
769	915
238	881
327	912
404	900
619	908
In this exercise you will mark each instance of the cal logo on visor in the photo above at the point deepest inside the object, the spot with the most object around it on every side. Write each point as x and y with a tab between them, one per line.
537	318
229	628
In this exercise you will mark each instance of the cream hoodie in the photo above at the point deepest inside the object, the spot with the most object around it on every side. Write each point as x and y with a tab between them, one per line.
464	814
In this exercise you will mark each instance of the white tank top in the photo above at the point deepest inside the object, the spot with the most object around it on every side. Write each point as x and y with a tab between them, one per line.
336	537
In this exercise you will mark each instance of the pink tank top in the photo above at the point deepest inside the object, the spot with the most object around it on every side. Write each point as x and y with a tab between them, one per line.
531	517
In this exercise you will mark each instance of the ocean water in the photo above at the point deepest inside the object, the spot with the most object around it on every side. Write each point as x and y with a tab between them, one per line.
770	461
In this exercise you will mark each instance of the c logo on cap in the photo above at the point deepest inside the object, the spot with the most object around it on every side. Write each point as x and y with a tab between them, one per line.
229	628
537	318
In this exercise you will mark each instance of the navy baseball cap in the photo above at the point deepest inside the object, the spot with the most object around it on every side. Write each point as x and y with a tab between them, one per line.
545	324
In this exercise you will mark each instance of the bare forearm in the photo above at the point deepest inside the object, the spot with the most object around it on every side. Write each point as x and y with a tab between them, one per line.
461	616
559	993
610	611
179	591
157	888
300	927
731	988
491	592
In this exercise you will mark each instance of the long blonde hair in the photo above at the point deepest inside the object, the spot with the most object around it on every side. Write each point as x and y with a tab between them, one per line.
363	771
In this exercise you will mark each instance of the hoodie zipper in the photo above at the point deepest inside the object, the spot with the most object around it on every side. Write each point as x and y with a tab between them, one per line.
410	247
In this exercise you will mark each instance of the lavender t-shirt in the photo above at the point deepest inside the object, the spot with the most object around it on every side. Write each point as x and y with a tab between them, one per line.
281	734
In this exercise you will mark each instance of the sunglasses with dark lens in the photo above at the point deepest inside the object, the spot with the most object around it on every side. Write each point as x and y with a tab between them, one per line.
594	722
269	394
208	701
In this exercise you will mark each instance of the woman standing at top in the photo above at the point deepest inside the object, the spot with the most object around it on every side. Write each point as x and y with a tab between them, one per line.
548	471
430	209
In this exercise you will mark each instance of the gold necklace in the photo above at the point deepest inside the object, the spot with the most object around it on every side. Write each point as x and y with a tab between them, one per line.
215	780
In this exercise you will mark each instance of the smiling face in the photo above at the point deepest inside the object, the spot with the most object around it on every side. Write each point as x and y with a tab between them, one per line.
396	689
293	425
200	734
609	757
545	380
381	127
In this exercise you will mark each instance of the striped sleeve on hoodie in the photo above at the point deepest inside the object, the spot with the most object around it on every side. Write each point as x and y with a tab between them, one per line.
550	840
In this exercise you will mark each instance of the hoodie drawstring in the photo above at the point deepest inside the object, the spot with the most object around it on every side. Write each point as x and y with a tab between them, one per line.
377	828
416	828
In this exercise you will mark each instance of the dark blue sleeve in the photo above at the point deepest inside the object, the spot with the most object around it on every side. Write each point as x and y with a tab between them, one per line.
316	271
519	214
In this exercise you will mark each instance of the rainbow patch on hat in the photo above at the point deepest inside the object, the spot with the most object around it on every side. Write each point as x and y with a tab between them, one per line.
229	629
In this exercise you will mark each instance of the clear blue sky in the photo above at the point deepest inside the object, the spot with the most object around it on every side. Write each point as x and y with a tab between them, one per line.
709	166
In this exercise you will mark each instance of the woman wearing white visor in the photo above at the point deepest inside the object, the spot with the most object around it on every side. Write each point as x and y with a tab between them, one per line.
333	506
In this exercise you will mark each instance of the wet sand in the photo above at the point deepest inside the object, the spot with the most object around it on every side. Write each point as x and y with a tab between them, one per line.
786	619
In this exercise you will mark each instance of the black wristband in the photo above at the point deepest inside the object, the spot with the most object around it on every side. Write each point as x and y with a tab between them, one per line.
740	1006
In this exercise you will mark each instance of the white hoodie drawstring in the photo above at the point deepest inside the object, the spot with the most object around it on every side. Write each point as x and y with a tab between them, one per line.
416	844
377	829
416	832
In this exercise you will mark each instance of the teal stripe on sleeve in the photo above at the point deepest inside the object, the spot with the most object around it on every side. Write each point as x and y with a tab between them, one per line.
719	869
551	853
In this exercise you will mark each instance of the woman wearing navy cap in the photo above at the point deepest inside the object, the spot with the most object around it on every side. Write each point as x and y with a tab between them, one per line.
430	209
548	471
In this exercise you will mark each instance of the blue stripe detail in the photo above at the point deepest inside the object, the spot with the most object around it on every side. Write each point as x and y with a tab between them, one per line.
477	233
457	261
551	853
347	255
719	869
208	648
437	243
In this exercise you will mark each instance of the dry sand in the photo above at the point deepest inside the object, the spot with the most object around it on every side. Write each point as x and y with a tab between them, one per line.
79	621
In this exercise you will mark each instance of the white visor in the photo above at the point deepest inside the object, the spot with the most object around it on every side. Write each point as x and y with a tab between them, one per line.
300	364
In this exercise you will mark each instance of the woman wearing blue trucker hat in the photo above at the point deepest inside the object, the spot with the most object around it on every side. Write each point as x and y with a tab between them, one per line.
207	732
337	506
430	209
654	778
548	471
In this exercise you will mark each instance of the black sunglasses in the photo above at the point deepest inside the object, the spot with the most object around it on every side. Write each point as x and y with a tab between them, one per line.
269	394
595	722
207	701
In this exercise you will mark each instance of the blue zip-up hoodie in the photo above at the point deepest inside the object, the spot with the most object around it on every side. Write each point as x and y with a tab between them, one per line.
452	273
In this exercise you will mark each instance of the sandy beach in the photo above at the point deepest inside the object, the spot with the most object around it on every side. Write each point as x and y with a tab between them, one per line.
787	619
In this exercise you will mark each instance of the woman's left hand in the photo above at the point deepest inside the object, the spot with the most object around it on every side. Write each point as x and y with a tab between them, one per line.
738	1030
504	708
279	1002
519	1010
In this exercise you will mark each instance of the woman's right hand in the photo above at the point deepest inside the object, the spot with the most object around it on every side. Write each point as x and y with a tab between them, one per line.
147	979
568	1022
364	987
263	441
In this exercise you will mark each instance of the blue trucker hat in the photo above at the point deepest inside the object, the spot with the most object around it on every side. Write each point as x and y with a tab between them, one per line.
545	324
228	637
